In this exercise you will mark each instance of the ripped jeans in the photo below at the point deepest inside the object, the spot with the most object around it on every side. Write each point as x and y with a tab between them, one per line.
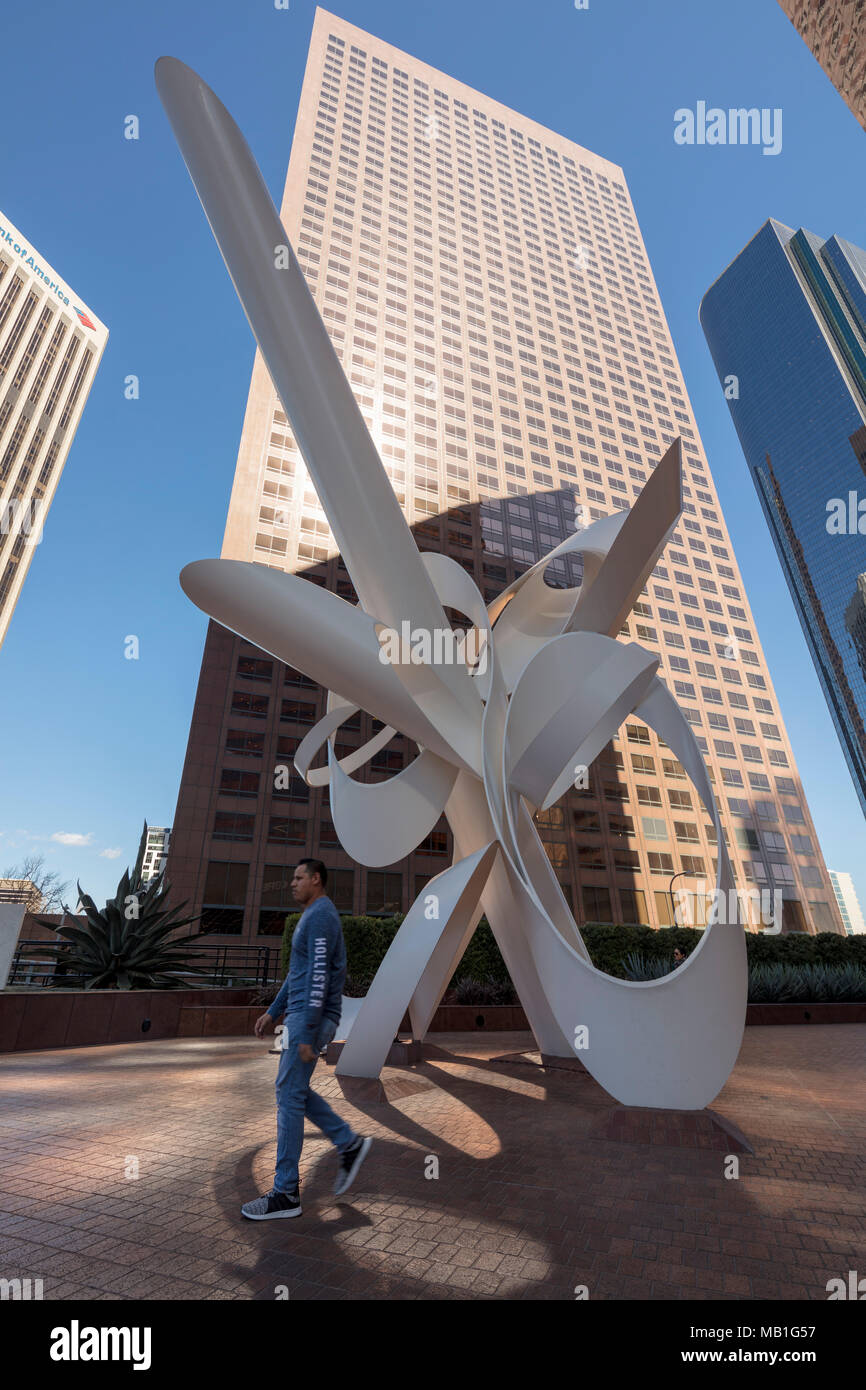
296	1100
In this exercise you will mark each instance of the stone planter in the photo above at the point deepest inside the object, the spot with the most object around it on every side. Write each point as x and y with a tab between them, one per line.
490	1018
35	1020
43	1019
763	1014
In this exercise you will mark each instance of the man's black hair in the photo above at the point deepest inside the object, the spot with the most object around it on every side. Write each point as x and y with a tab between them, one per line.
315	866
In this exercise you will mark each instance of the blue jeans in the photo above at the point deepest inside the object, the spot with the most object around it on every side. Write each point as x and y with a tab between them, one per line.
296	1099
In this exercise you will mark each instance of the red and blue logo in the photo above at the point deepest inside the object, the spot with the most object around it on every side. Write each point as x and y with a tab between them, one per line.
84	319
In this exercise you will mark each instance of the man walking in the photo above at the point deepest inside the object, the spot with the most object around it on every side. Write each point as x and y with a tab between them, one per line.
311	998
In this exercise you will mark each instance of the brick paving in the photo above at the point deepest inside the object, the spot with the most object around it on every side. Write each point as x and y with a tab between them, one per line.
528	1203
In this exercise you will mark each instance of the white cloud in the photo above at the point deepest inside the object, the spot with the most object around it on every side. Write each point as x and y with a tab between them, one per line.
110	853
71	837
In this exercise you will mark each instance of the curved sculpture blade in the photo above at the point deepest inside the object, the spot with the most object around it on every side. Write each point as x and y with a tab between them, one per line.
495	743
420	935
374	540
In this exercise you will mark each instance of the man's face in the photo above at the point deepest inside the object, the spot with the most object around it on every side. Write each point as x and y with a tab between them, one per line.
303	885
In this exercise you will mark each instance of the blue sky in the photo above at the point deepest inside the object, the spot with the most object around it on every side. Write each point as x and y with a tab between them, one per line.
92	743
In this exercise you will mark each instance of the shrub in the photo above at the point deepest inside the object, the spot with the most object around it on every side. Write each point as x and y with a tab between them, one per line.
775	983
367	940
487	991
610	947
356	986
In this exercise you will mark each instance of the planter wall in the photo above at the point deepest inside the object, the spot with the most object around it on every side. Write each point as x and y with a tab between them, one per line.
34	1021
762	1014
79	1018
491	1018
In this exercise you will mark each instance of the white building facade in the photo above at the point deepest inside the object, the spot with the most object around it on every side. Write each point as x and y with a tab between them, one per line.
51	344
849	903
155	851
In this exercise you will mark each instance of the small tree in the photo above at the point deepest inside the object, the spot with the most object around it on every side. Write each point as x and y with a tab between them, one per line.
47	883
128	945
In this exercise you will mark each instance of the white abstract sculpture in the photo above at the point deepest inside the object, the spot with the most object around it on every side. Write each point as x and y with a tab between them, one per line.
498	742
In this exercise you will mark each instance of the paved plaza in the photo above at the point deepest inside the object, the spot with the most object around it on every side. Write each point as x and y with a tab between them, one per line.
123	1168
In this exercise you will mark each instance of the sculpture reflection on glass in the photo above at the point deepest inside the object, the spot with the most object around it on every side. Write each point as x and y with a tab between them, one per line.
498	742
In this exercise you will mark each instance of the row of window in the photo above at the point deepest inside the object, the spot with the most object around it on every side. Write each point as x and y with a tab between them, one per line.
373	223
240	826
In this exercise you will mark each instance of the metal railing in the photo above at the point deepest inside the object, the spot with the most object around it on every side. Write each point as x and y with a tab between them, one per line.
227	966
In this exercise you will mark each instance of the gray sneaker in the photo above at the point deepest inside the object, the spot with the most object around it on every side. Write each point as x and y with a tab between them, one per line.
272	1206
350	1161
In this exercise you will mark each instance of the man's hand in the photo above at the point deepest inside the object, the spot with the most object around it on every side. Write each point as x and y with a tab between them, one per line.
261	1024
306	1053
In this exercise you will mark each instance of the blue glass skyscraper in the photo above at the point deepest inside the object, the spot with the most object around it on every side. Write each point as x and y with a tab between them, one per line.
786	326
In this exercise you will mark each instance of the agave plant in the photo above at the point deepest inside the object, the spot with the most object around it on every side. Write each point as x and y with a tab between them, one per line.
128	945
637	966
837	984
774	983
486	991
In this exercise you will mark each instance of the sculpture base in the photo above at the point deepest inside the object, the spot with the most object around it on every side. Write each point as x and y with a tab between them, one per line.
400	1054
544	1061
391	1086
673	1129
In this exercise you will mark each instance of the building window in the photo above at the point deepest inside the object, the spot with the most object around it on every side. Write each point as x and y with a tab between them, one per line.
224	896
384	892
254	669
660	863
436	843
244	702
233	825
245	745
298	711
341	888
234	782
634	908
287	830
596	904
694	865
648	796
663	908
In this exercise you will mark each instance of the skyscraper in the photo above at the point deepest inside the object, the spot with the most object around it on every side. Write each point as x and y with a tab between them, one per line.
50	346
486	287
849	903
786	325
155	851
835	30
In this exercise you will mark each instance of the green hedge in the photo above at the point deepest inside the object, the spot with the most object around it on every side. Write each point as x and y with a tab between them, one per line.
368	938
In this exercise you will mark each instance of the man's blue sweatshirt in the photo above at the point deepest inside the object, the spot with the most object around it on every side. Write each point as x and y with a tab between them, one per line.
313	987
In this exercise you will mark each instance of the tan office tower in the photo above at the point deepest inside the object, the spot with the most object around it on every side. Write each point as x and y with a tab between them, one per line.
485	284
835	30
50	347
